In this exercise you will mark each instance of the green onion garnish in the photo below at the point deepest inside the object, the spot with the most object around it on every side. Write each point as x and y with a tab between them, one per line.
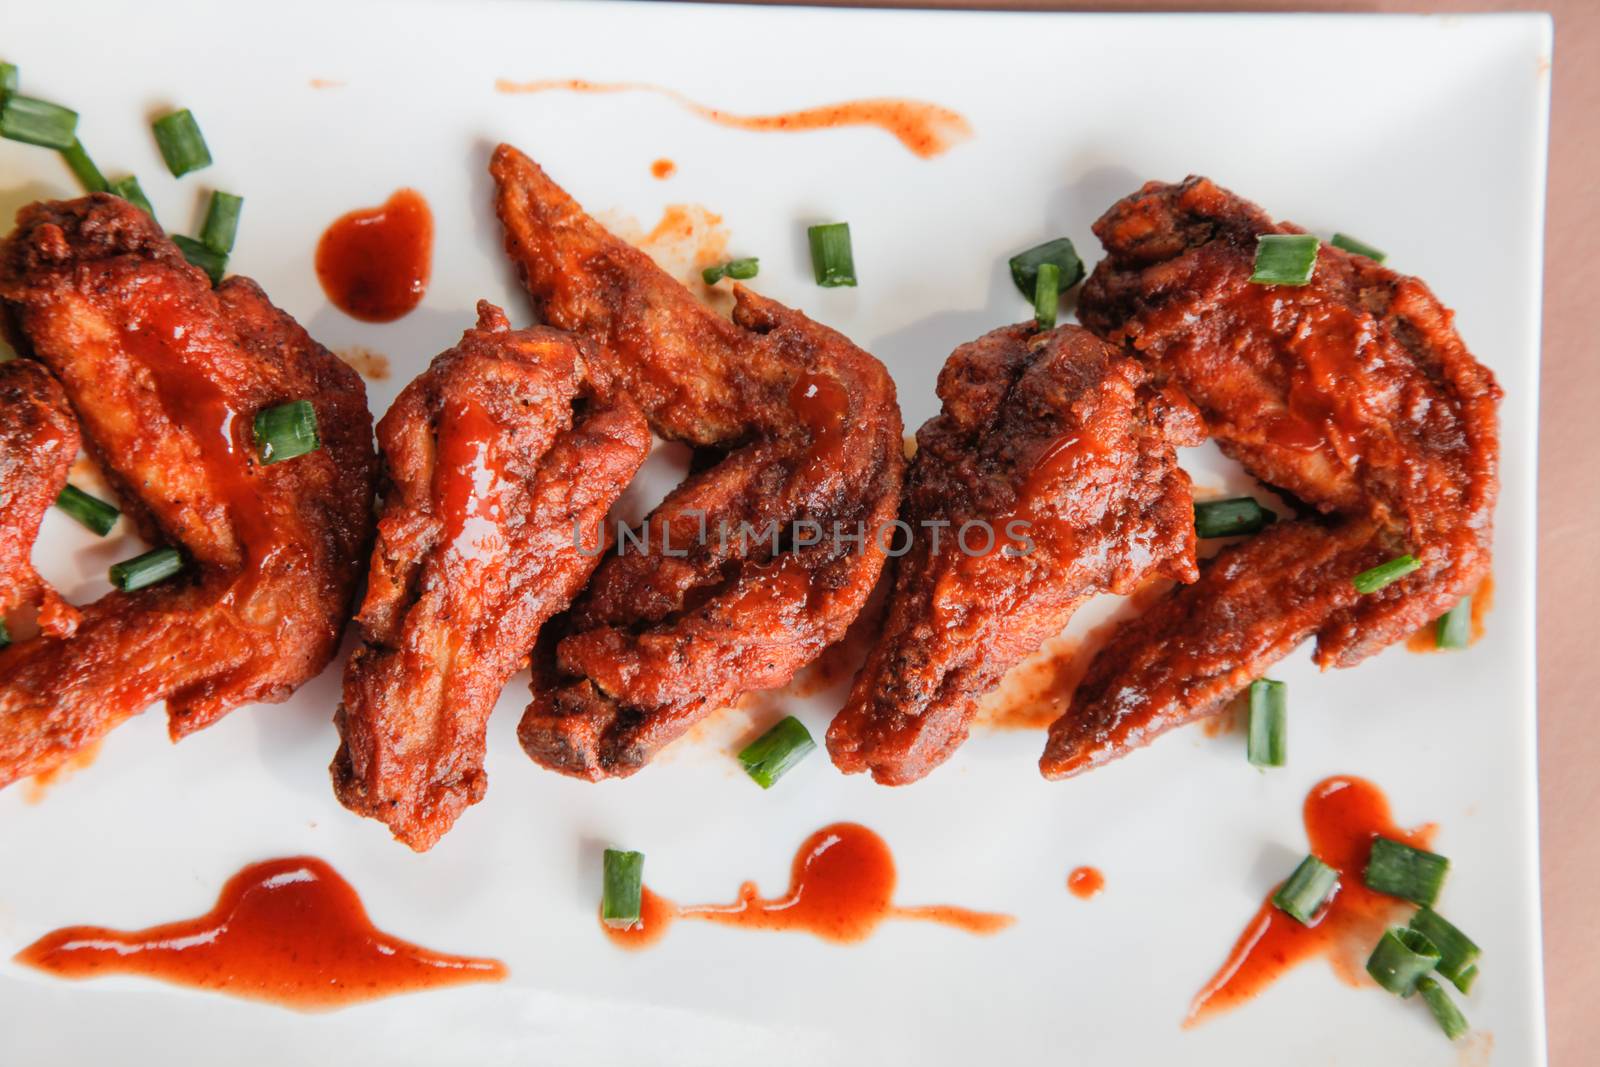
1449	1017
1025	266
222	222
129	189
31	121
8	78
740	270
182	146
286	431
1360	248
1457	954
199	255
1401	958
1453	629
154	566
1310	887
624	884
1402	871
1229	518
1269	726
1046	295
5	634
773	754
88	174
93	512
832	261
1371	581
1285	258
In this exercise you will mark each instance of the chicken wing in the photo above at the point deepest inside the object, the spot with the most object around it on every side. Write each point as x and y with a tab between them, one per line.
799	442
166	375
38	442
499	459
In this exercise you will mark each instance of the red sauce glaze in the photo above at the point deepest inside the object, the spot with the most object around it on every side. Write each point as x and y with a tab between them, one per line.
467	472
286	931
374	262
663	169
925	129
840	888
1427	639
1342	816
823	407
1085	883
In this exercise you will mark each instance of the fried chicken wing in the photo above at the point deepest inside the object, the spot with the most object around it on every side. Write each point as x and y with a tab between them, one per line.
1049	477
1352	393
166	374
38	442
499	459
797	432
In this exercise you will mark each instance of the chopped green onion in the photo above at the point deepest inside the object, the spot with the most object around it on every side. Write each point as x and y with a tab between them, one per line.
624	888
5	634
154	566
1312	885
286	431
1269	726
1046	295
1370	581
1457	953
832	261
8	78
129	189
713	275
1231	517
740	270
1445	1012
88	174
1285	258
222	222
1401	958
1025	266
93	512
214	264
31	121
773	754
1402	871
182	146
1453	629
1359	248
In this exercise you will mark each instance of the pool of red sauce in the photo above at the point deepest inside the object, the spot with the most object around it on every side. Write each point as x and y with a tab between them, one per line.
1427	638
841	888
374	263
287	931
1342	816
1085	883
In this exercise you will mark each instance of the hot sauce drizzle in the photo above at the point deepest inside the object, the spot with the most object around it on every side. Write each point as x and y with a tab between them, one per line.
840	888
374	262
286	931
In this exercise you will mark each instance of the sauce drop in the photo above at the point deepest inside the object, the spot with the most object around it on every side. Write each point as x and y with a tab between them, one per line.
1085	883
840	888
663	169
1427	640
286	931
468	472
374	262
1342	816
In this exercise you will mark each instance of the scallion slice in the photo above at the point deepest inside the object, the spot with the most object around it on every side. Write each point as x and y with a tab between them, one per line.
1285	258
1402	871
32	121
1269	725
1370	581
623	889
83	167
1025	266
1231	517
1453	629
129	189
1469	975
773	754
1400	959
91	511
222	222
199	255
740	270
154	566
1458	955
1312	885
832	261
286	431
181	143
5	634
1359	248
1445	1012
1046	295
8	78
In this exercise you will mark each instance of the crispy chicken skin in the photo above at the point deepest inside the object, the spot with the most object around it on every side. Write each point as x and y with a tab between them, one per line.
1062	435
166	375
1353	393
496	459
795	425
38	442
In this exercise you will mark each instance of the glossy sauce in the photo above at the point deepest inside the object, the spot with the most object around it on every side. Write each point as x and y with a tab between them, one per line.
1085	883
286	931
1342	816
1427	638
468	471
663	169
374	262
840	889
925	129
823	407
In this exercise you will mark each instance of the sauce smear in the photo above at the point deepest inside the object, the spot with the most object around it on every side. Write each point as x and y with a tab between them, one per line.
663	169
1342	816
374	262
286	931
840	888
1085	883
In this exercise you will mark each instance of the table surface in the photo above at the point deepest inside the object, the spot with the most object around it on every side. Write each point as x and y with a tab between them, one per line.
1569	505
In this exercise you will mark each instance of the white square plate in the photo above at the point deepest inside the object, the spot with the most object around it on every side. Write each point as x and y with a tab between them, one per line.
1425	136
